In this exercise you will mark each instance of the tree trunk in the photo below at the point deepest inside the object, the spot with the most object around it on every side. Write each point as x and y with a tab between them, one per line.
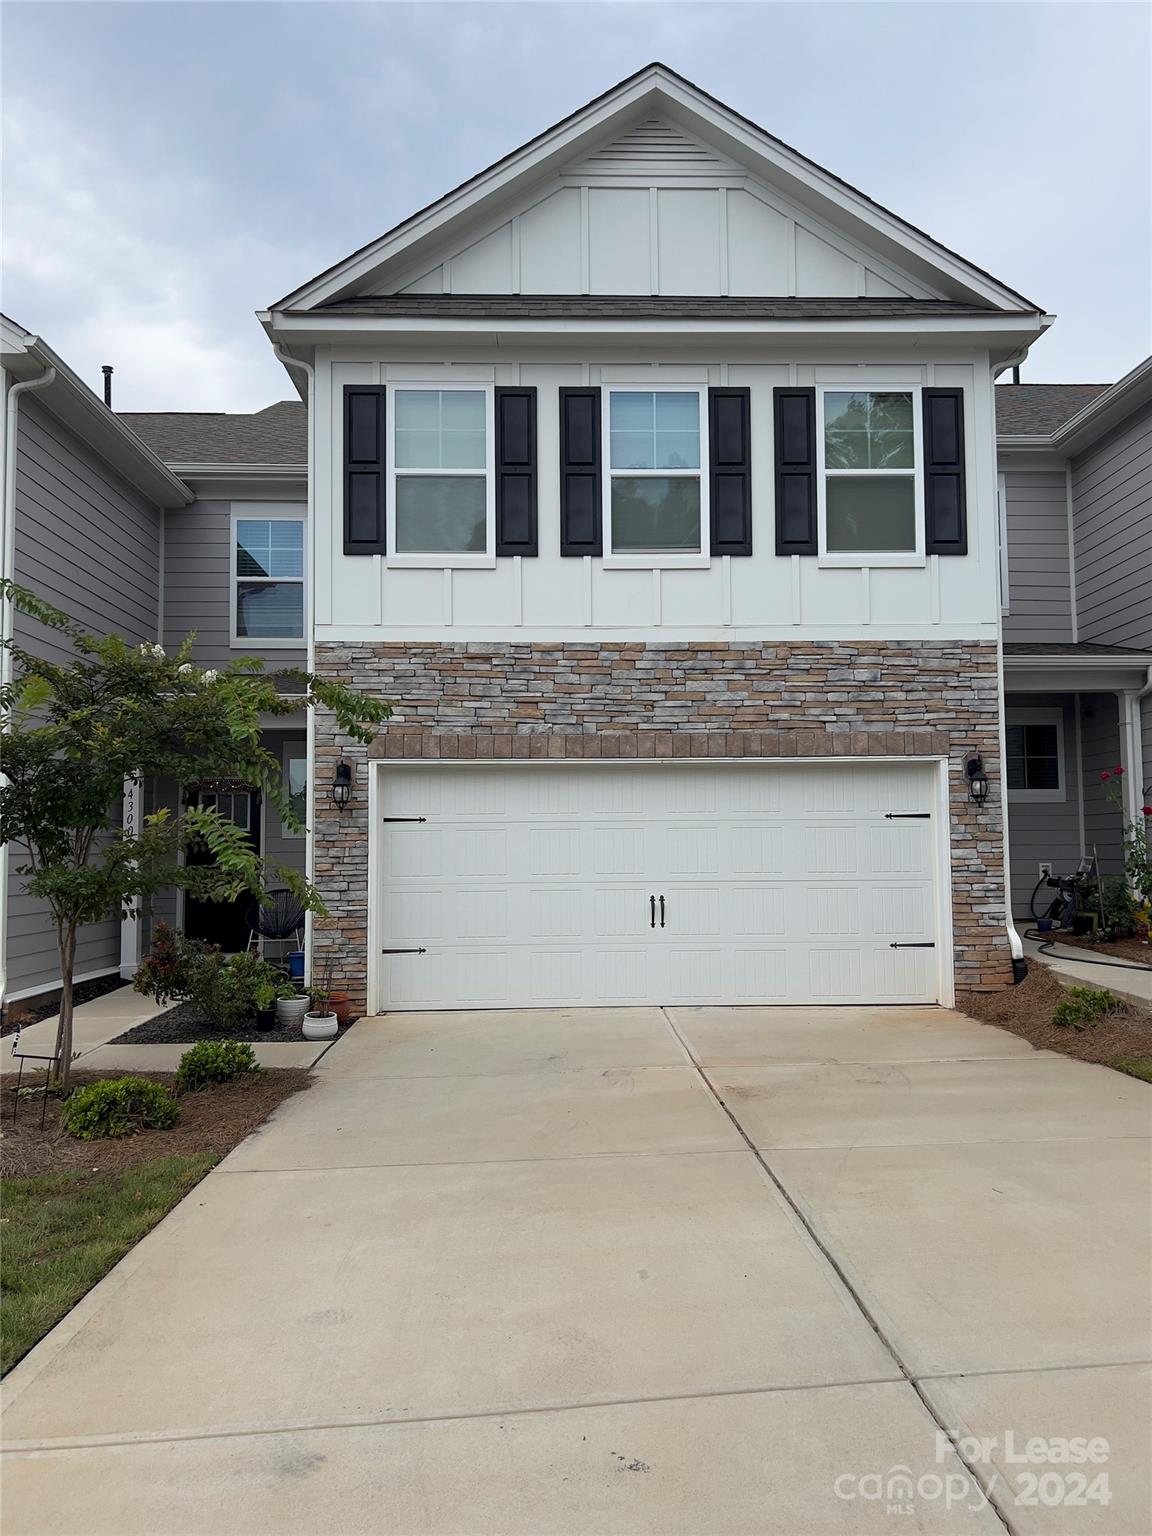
66	945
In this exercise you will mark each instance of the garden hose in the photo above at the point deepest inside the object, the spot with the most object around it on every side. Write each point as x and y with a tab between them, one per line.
1046	948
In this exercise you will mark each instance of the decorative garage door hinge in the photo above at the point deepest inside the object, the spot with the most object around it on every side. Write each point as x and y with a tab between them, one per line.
908	816
404	818
920	944
403	951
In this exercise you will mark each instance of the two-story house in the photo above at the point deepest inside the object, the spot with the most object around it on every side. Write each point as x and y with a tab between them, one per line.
1076	500
150	527
652	476
654	481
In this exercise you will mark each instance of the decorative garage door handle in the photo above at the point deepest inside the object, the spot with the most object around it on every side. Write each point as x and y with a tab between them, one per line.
661	911
652	911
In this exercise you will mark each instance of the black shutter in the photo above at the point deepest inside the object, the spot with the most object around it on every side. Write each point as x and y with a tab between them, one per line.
795	411
516	471
730	470
581	521
945	516
365	453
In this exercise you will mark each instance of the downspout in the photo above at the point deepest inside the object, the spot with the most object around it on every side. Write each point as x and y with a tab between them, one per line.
8	569
1015	946
310	595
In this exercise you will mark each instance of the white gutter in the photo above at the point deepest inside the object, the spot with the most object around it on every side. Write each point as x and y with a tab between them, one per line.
8	569
310	608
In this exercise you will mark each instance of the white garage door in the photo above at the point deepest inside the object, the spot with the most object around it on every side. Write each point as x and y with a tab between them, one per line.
591	884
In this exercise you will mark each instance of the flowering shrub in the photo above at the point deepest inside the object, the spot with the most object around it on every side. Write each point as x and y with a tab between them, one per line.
1137	860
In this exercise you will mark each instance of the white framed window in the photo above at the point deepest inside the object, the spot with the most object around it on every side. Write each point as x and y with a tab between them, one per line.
295	769
655	475
870	475
267	577
441	502
1034	760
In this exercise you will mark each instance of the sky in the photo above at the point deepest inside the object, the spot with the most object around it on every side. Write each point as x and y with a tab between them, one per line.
172	168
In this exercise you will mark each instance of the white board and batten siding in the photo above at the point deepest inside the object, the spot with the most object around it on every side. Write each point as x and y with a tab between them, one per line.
657	211
548	885
763	596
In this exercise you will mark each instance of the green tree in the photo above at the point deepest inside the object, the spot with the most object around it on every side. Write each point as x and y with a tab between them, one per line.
73	733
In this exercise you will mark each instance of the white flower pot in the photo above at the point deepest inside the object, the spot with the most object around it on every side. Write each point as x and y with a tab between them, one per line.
320	1026
290	1011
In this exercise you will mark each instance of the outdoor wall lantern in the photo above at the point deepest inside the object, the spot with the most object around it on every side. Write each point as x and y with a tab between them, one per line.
977	778
342	785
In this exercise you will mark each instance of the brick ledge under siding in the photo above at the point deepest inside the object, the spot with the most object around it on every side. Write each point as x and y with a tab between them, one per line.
508	745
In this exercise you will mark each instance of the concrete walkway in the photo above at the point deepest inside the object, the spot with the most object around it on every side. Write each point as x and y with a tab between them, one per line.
1105	971
666	1271
107	1017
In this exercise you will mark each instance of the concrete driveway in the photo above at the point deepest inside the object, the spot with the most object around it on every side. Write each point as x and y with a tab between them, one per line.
669	1271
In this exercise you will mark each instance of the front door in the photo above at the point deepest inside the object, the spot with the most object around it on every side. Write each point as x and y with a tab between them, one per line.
225	923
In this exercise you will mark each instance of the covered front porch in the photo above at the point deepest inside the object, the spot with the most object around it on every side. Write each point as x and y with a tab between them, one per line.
1073	713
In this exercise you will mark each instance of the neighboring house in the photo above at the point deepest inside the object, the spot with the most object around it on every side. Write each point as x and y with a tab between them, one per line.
652	476
99	525
654	482
1076	490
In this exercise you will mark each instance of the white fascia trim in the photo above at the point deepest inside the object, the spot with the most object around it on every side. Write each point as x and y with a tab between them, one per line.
84	412
316	326
1062	663
241	471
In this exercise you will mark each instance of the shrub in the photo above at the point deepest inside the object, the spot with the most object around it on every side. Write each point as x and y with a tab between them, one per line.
1083	1007
168	972
215	1061
119	1106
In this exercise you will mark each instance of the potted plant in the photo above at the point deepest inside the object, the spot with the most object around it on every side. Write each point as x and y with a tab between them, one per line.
320	1023
291	1006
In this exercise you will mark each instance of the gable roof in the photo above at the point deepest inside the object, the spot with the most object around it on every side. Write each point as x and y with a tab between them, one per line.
1026	410
276	435
631	103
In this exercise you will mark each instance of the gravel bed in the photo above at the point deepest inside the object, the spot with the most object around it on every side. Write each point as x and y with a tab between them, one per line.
184	1025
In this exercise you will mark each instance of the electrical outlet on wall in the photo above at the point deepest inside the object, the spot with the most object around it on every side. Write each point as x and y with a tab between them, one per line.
1045	871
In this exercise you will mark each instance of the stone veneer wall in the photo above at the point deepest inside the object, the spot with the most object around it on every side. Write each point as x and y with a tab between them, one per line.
783	699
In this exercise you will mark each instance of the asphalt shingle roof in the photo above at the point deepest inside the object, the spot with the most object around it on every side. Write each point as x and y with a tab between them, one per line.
276	435
1025	410
503	306
1070	648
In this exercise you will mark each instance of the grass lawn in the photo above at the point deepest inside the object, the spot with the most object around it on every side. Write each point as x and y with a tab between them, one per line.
71	1209
63	1231
1135	1066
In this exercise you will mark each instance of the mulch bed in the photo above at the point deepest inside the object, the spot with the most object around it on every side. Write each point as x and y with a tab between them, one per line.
1026	1011
185	1024
212	1120
1120	949
33	1009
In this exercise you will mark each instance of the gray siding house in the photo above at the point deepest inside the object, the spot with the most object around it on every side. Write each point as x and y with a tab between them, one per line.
650	475
100	525
1076	519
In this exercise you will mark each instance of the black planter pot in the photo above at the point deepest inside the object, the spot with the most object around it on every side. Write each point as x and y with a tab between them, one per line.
266	1018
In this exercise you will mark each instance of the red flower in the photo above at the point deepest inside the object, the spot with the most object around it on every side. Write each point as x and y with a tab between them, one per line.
1105	774
1118	772
1146	810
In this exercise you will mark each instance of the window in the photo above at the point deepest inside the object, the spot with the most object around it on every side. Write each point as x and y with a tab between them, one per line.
268	580
296	783
1035	756
656	496
442	492
871	492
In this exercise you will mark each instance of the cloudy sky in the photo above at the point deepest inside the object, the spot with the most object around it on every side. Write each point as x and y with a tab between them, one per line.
171	168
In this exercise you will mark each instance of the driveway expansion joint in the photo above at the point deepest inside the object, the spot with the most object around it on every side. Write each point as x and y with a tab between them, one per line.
973	1468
